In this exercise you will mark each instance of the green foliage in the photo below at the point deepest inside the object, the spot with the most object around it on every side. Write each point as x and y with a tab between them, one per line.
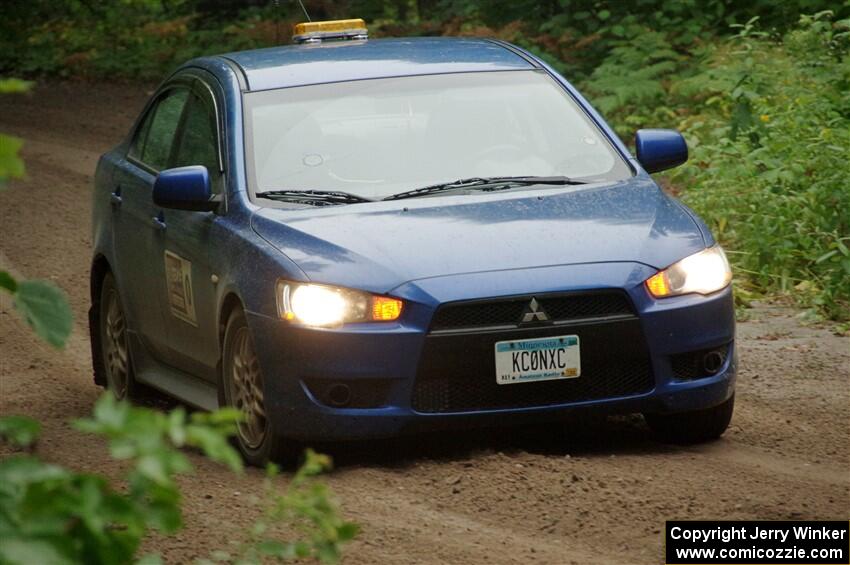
149	437
770	138
131	39
45	308
767	119
43	305
53	515
146	38
11	165
8	282
307	506
49	514
631	80
20	431
14	86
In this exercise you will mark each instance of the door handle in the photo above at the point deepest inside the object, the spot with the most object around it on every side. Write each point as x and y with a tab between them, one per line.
159	222
115	196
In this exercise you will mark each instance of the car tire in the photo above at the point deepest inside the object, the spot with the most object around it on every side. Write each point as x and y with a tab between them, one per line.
243	389
693	427
114	343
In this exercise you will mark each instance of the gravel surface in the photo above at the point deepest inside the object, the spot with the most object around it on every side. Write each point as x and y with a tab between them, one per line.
567	494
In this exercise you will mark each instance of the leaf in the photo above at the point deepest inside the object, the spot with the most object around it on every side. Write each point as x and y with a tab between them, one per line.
24	469
347	531
826	256
274	548
327	553
11	165
24	550
45	308
214	444
154	468
14	85
8	282
176	426
219	555
19	430
108	413
315	463
272	470
302	549
165	516
226	416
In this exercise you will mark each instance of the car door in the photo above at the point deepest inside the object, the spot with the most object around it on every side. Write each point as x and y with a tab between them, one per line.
136	226
185	250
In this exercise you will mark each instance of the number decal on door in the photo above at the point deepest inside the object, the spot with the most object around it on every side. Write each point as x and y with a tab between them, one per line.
178	274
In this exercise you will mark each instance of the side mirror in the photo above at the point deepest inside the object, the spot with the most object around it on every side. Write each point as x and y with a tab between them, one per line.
184	188
660	149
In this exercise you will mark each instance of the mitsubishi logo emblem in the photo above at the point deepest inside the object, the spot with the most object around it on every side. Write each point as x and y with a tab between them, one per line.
534	313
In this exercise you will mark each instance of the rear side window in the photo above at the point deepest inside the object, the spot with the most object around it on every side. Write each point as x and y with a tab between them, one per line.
153	141
198	144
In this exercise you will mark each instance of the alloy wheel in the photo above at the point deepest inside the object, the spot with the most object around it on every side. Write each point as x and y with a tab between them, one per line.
115	346
246	390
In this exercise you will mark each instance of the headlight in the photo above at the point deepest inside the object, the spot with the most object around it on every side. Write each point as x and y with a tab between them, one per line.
328	306
704	272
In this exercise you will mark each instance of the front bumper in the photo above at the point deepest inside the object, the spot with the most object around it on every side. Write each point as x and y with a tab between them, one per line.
297	362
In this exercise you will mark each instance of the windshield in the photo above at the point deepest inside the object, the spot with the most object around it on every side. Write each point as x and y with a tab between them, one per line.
376	138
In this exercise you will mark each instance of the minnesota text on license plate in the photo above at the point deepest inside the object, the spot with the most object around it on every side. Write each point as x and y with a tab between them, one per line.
540	359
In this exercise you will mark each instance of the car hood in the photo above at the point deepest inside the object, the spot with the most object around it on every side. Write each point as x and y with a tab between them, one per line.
379	246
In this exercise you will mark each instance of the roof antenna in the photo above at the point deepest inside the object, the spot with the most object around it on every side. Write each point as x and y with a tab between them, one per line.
305	11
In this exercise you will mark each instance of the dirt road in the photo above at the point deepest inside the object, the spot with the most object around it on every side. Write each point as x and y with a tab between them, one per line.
544	495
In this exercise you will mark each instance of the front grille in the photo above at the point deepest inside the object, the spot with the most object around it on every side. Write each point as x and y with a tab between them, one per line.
458	371
508	312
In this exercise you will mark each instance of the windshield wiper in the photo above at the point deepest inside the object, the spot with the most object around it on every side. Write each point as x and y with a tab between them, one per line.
313	197
485	184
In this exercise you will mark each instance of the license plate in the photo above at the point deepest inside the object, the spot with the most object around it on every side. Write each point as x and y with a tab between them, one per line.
539	359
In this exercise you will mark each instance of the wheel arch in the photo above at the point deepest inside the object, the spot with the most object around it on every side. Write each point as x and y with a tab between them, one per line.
231	302
99	267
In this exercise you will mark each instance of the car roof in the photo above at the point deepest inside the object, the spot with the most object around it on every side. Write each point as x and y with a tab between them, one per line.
336	61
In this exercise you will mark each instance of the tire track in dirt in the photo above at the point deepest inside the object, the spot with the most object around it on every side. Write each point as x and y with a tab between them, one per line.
765	461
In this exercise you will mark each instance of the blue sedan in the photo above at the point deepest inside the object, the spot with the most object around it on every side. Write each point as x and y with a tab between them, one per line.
365	238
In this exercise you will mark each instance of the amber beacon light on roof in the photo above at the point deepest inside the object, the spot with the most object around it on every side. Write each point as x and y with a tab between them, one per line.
316	32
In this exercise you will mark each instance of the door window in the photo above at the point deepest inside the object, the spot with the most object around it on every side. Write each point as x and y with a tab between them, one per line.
153	141
198	140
